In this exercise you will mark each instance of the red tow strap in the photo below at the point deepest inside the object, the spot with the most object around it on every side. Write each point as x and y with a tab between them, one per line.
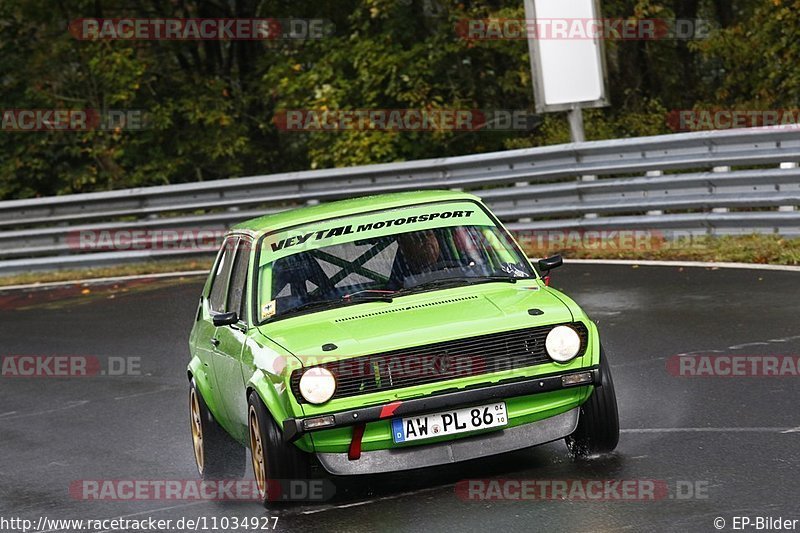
355	445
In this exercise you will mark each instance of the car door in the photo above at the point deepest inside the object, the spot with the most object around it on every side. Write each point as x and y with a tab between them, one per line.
204	335
228	343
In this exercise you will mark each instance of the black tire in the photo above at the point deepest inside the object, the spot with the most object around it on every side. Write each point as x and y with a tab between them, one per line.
217	455
281	461
598	425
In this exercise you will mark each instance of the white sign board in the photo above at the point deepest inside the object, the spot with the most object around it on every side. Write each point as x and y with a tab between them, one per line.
567	56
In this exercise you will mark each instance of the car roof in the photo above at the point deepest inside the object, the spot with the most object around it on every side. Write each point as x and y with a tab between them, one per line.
304	215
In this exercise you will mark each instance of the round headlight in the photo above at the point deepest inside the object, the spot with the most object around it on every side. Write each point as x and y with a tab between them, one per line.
317	385
562	344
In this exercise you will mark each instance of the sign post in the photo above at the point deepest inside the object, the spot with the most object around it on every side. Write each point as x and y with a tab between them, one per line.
567	66
575	118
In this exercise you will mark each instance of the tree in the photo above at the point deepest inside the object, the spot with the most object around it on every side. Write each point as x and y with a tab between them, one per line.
211	106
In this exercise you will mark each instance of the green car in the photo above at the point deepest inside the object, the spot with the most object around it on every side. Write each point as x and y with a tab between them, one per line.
387	333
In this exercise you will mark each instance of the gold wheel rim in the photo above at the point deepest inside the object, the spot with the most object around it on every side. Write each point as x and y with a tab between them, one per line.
197	431
257	453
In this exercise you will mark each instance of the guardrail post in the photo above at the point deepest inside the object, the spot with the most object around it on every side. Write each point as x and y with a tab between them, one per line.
589	177
720	209
654	174
787	208
522	184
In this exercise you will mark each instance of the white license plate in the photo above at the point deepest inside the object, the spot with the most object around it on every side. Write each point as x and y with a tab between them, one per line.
449	422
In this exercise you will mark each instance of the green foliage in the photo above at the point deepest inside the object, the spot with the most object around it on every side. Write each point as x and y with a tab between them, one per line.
210	106
753	64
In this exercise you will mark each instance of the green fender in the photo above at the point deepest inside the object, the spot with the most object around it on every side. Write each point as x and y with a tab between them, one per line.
199	372
594	335
276	403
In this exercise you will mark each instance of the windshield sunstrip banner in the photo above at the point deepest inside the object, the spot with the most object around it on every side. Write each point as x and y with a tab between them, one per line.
382	223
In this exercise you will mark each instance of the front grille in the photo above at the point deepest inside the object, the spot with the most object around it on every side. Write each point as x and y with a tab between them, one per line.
441	361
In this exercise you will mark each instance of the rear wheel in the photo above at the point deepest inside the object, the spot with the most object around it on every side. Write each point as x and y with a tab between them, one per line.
216	454
598	425
272	458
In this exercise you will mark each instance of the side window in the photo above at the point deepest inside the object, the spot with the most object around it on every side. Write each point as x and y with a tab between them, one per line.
217	297
236	295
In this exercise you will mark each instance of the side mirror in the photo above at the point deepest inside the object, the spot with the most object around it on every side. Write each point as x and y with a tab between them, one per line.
555	261
225	319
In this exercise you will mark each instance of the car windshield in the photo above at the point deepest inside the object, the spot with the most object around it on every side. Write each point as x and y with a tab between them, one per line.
387	266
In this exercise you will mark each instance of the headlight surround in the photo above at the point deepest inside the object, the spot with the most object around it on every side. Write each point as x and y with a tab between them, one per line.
563	344
317	385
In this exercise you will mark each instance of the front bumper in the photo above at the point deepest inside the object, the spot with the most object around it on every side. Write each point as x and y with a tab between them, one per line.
510	439
294	428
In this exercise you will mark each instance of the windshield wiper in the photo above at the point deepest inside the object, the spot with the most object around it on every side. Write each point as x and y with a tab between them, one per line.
374	295
507	279
310	305
388	296
455	281
329	304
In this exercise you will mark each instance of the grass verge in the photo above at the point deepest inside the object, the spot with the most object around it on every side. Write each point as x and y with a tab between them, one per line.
759	249
132	269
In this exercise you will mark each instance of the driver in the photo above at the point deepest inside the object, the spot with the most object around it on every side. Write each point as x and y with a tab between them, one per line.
419	250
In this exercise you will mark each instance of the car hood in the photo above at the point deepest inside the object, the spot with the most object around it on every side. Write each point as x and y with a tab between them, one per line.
416	320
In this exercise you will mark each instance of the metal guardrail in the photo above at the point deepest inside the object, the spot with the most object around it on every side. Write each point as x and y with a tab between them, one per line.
719	182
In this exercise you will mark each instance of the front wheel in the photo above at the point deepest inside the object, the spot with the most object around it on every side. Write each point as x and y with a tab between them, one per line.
216	454
274	461
598	425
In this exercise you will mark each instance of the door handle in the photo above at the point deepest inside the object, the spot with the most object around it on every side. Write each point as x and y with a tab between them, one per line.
214	342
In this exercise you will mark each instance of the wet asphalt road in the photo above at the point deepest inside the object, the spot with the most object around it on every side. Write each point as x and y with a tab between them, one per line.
730	439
